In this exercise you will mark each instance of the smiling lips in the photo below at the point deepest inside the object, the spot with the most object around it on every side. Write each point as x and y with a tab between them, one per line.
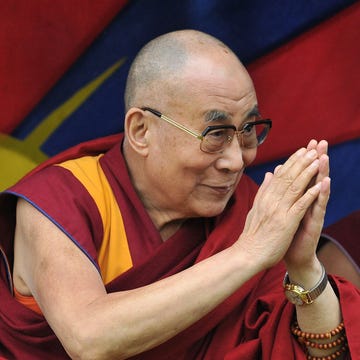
221	189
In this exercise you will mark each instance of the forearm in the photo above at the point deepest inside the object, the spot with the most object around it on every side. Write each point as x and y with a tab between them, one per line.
123	324
93	324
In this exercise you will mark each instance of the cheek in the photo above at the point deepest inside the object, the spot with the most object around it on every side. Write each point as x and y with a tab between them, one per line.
178	159
249	156
180	173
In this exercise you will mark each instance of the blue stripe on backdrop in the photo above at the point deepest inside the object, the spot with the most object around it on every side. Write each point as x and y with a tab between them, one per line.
345	179
250	27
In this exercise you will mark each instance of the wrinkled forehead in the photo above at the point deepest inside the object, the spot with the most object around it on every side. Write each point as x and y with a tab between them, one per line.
216	87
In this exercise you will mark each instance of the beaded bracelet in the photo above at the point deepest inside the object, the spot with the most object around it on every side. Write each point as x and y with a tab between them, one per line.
306	339
325	346
332	356
313	336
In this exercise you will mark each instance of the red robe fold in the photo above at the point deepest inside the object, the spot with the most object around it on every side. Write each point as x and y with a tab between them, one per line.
253	323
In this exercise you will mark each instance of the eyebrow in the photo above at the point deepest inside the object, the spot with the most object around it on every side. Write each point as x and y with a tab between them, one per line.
253	112
216	115
219	115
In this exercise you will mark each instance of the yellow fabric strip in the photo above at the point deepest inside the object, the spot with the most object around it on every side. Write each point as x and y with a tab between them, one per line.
114	256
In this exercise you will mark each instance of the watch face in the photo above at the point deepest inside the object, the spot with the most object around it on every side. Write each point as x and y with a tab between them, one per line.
298	296
294	296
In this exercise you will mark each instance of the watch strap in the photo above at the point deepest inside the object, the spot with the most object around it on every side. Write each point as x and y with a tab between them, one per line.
308	296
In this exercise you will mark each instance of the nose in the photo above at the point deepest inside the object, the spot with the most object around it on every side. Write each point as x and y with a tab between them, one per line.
232	157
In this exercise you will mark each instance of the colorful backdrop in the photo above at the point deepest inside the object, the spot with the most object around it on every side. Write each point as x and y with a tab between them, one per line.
63	65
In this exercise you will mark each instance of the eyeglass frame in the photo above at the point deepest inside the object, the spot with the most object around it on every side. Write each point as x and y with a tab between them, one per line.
201	136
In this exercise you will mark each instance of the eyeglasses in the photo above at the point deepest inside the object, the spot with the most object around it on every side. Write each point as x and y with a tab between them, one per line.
215	138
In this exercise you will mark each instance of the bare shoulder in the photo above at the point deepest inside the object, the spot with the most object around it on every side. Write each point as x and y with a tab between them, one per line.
49	266
29	222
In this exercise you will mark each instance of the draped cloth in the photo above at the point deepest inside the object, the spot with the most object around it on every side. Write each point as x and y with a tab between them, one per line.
253	323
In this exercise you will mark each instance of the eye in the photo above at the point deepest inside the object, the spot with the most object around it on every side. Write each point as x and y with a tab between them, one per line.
248	129
217	134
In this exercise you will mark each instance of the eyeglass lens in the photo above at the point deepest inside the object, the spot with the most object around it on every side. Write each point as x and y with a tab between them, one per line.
250	136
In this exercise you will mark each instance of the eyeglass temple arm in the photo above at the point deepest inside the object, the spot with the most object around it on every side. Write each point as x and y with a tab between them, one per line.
174	123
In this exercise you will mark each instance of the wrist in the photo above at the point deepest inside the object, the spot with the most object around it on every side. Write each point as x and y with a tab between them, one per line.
306	275
300	294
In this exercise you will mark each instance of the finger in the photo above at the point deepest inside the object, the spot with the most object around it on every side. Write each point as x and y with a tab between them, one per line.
312	145
293	169
265	184
301	183
324	168
322	147
296	163
316	214
304	202
290	180
325	187
319	207
293	159
277	169
322	175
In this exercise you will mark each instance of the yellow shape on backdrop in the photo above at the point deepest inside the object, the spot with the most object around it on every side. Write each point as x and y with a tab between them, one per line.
18	157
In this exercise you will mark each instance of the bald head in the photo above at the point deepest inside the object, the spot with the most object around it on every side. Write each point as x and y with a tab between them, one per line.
162	61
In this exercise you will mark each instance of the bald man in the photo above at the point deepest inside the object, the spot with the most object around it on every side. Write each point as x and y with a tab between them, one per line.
154	244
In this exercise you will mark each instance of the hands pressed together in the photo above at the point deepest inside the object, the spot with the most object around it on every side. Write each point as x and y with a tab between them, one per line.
287	216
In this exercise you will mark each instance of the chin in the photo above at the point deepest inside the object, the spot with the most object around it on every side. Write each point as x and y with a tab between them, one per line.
212	209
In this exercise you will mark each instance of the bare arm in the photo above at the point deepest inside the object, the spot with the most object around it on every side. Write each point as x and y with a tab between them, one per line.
93	324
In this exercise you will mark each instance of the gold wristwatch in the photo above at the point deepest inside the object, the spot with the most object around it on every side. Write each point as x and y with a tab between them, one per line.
298	295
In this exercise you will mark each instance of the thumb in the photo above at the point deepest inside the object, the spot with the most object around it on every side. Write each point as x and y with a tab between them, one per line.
265	184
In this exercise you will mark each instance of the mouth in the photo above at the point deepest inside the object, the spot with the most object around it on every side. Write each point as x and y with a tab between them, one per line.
221	190
224	188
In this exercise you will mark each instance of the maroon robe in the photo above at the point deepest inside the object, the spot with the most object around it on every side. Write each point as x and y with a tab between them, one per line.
253	323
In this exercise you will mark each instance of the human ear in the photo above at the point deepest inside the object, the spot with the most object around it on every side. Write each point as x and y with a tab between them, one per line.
136	130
